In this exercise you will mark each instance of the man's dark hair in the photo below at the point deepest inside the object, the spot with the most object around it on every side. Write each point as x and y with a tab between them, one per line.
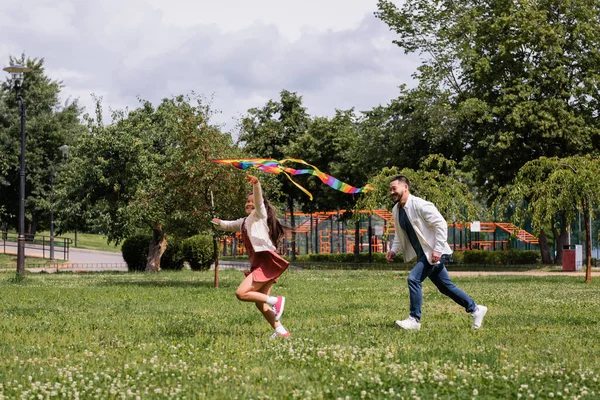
402	179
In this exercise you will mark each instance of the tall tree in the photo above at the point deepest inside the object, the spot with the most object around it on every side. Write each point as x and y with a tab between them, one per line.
331	144
552	191
328	144
268	131
150	169
49	125
520	75
407	130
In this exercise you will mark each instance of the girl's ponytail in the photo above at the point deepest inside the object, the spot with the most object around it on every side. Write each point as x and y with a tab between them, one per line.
276	230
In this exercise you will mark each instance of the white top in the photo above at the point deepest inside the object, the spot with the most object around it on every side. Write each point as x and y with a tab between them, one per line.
429	225
256	223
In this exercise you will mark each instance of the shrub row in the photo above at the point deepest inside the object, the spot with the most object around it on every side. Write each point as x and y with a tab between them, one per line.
196	250
480	257
504	257
347	258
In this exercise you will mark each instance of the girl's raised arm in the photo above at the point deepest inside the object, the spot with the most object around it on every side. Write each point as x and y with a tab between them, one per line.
231	226
259	204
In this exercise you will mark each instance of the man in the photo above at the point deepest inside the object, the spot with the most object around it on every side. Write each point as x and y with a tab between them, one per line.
422	232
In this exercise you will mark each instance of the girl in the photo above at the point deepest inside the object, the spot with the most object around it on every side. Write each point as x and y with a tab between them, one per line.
261	232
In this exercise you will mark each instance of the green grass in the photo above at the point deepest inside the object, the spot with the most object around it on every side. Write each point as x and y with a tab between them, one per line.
173	335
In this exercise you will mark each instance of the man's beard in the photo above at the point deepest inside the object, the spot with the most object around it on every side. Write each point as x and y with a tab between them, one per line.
398	196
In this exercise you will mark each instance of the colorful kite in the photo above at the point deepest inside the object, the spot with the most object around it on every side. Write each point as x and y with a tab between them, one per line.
275	167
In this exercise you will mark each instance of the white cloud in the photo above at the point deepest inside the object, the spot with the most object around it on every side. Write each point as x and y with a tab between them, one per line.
335	54
291	17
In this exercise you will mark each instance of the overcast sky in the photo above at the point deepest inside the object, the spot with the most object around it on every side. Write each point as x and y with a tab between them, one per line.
334	53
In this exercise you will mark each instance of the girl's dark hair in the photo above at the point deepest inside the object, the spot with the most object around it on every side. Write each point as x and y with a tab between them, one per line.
276	230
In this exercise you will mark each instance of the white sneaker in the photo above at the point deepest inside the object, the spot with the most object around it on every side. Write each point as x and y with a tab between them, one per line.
478	316
278	307
409	323
276	335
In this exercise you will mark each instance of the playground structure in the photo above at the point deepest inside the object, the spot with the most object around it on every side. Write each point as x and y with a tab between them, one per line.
327	232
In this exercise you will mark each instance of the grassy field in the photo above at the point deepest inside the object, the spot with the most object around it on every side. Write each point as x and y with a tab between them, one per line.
173	335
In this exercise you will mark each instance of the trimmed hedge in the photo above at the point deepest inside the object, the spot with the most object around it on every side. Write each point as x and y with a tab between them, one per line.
135	252
347	258
198	251
480	257
173	257
503	257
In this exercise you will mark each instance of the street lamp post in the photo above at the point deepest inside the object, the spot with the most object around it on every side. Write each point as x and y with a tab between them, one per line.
17	72
52	213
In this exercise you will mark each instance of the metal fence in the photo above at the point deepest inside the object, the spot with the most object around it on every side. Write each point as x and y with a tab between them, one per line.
38	245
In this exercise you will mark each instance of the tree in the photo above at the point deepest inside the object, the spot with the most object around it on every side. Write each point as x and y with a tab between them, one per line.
328	144
150	168
50	124
438	180
552	191
407	130
520	76
267	132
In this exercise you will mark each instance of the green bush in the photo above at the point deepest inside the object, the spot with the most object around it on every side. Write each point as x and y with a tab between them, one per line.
346	258
478	257
458	257
173	257
519	257
198	251
135	252
502	257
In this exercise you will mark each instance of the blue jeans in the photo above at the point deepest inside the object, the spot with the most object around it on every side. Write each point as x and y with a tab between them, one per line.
440	278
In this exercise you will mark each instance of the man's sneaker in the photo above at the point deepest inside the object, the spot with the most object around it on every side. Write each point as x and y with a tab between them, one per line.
276	335
409	323
478	316
278	307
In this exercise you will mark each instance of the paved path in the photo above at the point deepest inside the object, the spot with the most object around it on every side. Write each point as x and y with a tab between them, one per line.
79	259
83	256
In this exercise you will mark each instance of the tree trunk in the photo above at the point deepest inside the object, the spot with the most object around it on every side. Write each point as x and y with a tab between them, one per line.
293	226
30	228
545	250
588	242
158	244
216	255
561	239
357	241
